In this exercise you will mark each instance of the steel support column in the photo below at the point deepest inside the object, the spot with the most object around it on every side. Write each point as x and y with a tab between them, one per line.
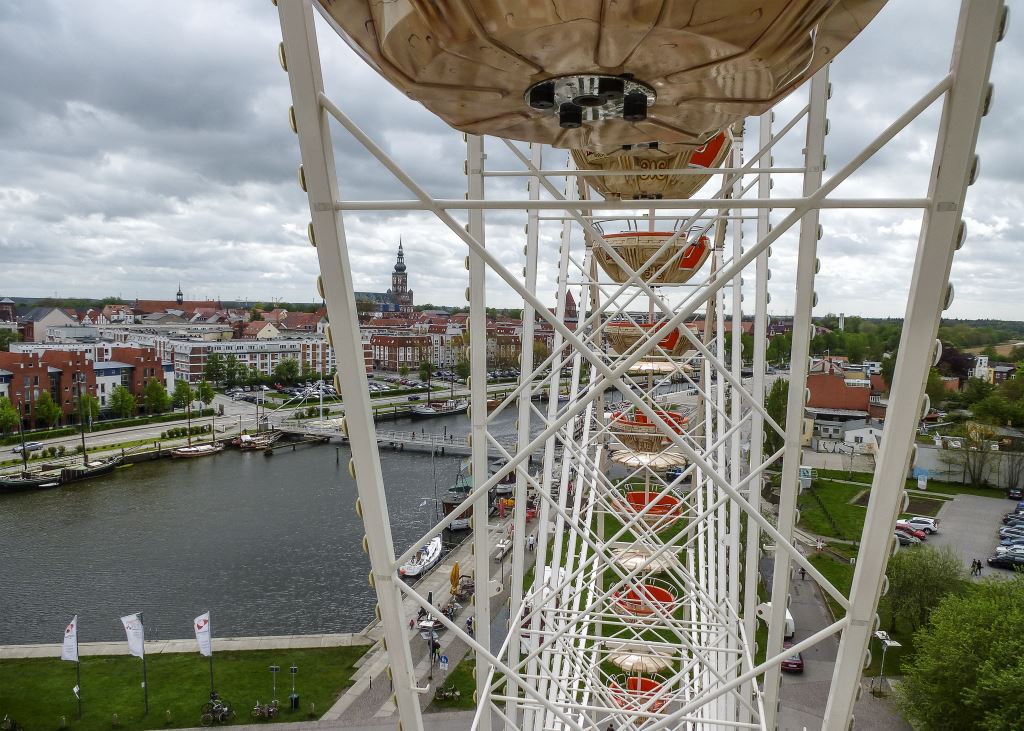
478	415
807	266
301	58
953	168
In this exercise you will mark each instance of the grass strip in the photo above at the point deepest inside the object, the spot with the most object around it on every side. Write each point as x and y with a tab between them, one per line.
37	692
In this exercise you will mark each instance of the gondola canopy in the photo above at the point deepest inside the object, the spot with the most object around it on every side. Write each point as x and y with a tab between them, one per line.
598	75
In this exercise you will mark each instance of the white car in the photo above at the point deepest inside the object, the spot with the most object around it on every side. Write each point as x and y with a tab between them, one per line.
928	525
29	447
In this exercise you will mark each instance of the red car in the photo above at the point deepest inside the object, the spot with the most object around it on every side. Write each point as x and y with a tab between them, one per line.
910	530
793	663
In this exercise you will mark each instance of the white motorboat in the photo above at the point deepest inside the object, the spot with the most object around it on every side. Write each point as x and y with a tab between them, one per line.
197	450
440	408
424	560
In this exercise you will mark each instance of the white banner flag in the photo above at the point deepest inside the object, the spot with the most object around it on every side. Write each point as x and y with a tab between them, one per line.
204	634
70	649
136	635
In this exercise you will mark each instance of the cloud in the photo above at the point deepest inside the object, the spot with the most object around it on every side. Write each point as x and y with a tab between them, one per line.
143	143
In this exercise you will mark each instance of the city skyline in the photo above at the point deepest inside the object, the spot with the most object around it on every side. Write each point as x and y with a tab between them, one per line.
121	179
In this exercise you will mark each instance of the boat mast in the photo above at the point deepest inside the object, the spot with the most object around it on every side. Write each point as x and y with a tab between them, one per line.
21	433
79	377
188	414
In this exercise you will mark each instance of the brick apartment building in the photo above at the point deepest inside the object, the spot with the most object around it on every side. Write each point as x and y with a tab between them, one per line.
25	375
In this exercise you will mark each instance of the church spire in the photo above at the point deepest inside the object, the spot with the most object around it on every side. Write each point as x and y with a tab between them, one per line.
179	297
400	264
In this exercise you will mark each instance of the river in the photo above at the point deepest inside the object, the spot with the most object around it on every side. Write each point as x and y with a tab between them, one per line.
270	545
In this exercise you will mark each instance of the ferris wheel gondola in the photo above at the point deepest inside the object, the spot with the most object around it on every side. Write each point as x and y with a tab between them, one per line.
597	76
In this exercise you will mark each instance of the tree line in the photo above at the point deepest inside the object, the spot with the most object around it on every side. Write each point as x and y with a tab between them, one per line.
123	404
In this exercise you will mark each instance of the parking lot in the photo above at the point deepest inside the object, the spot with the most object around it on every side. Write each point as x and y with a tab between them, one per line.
970	524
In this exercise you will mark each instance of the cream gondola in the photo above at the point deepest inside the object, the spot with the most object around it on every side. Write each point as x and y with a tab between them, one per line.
636	169
597	76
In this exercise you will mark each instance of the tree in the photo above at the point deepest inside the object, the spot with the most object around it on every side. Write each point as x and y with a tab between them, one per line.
403	370
935	387
232	371
87	408
47	410
919	579
888	369
775	405
462	369
254	376
426	373
123	402
541	351
286	371
9	416
974	457
154	397
183	395
7	337
204	392
213	371
968	668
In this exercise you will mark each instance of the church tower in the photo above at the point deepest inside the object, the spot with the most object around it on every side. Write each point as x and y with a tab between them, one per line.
180	297
400	283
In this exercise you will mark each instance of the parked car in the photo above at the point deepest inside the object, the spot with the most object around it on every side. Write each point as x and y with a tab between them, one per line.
1006	561
1011	531
905	539
29	447
1012	549
793	663
1009	518
1015	493
928	525
904	528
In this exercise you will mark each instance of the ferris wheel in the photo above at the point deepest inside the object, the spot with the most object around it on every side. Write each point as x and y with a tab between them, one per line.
640	602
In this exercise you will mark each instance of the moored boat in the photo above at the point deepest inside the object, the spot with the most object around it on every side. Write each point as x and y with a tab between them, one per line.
29	481
249	442
440	408
424	560
451	500
197	450
88	470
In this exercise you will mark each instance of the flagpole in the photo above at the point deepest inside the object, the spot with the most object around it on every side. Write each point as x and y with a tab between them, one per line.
212	689
78	674
145	684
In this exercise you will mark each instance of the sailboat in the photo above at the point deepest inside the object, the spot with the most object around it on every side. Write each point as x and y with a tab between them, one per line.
198	450
89	468
27	480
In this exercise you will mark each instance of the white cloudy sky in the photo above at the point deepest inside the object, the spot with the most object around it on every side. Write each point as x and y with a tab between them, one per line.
144	142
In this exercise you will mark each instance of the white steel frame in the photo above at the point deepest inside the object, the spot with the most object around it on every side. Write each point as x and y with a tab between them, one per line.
552	670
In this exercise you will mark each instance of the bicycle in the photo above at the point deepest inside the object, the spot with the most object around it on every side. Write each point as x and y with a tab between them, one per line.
269	711
447	693
220	712
9	724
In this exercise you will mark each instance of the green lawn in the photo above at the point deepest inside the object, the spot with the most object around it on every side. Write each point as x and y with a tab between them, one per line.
865	477
463	678
836	497
840	574
37	692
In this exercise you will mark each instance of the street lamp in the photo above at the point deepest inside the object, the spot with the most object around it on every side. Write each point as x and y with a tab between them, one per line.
886	644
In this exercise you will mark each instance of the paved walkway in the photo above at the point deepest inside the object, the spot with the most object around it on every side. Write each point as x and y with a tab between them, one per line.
368	699
220	644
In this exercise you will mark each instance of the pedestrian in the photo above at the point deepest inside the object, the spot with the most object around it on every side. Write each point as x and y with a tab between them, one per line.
803	574
412	623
